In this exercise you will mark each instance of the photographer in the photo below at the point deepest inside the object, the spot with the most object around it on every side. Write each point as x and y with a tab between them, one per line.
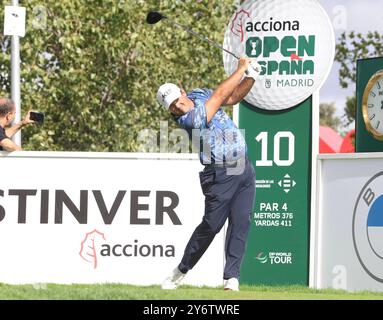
7	115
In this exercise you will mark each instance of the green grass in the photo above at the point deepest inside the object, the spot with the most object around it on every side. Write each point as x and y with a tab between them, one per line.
128	292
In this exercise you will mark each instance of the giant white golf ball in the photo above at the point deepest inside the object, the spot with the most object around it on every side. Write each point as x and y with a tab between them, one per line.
293	41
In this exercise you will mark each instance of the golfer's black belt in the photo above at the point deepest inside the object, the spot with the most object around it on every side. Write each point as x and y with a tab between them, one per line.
226	164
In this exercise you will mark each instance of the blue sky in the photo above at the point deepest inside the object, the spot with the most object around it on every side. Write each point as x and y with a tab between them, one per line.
349	15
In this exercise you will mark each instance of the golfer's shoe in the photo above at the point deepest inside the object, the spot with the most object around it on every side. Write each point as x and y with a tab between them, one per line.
231	284
174	280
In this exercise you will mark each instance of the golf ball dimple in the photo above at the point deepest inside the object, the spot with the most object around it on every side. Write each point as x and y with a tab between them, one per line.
294	42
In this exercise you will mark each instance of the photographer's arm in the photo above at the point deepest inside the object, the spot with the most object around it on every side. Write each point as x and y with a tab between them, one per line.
10	132
9	145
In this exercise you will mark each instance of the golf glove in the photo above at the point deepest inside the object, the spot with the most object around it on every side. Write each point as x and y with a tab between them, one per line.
253	70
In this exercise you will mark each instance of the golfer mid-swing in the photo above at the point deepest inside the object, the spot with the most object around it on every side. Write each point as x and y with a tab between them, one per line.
228	179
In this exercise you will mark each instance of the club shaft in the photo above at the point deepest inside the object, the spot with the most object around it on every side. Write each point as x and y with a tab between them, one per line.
202	37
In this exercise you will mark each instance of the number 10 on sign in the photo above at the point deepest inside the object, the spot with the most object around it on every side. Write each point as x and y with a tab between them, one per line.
279	138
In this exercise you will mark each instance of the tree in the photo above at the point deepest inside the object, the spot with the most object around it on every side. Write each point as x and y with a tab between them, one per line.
95	66
351	47
327	116
350	110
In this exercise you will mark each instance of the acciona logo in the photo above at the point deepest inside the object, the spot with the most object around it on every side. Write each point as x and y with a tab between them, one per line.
95	247
292	40
88	250
272	25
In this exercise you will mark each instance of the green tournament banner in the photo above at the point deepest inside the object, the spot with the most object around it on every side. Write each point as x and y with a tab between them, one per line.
280	145
294	43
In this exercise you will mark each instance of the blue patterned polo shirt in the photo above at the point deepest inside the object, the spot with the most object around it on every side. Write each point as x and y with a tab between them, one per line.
219	140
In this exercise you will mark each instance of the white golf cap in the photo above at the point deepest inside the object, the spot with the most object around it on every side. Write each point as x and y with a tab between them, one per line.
167	94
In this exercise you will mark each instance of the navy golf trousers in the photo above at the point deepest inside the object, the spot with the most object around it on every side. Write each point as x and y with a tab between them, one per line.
229	196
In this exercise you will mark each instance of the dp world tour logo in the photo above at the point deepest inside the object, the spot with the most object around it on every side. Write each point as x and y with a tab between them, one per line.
275	257
367	227
262	257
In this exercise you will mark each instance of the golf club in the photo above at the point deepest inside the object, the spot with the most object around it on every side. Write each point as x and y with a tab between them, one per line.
154	16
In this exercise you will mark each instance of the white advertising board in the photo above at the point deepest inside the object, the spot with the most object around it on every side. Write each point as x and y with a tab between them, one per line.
347	229
101	218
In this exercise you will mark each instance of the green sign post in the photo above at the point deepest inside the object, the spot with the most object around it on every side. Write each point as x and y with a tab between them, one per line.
279	144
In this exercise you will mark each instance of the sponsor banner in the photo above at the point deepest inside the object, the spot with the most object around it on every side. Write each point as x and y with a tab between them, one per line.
96	218
349	223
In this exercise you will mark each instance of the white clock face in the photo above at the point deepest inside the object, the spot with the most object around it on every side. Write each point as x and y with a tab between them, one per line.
375	106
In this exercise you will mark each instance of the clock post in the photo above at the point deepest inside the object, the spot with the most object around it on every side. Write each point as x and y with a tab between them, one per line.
369	107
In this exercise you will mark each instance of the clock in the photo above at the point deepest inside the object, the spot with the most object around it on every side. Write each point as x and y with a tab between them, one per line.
372	106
